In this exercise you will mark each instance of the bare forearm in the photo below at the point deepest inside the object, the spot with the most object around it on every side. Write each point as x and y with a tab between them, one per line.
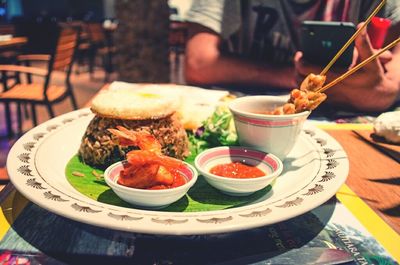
205	64
225	70
230	70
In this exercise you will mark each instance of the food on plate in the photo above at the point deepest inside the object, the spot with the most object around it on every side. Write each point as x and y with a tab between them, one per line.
218	129
387	125
305	98
129	104
194	104
199	104
313	82
147	168
155	113
237	170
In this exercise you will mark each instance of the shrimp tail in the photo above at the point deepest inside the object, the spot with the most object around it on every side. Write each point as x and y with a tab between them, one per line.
144	157
142	139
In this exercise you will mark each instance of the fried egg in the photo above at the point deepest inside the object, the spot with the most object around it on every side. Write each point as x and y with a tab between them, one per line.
134	105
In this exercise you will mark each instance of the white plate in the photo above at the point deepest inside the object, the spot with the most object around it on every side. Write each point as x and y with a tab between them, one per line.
313	172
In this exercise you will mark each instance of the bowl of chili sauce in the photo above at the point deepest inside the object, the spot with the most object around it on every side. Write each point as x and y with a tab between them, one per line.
238	171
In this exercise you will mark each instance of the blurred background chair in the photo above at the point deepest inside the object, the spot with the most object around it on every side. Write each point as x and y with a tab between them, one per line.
41	93
178	34
101	45
83	49
177	38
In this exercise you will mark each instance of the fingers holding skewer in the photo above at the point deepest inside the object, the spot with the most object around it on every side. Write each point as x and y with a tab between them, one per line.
362	40
310	93
352	38
371	58
315	96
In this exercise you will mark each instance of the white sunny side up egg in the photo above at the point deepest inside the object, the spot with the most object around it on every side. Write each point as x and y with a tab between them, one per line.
131	104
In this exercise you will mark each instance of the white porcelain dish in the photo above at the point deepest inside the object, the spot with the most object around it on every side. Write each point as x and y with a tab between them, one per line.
268	163
313	171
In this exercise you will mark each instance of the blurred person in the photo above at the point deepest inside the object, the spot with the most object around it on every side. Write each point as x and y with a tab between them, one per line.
254	44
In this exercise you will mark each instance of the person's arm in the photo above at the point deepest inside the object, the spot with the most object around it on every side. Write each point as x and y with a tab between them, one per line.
206	65
375	87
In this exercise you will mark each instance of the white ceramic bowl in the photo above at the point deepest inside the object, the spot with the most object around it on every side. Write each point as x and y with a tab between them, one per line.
268	163
274	134
153	199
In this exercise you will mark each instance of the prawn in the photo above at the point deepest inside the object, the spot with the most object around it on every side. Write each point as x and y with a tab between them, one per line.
145	157
143	140
147	167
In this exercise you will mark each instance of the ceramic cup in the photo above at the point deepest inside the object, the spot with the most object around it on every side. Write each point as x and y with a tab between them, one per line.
274	134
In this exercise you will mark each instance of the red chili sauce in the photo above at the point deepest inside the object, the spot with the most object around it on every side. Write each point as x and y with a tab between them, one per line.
179	180
237	170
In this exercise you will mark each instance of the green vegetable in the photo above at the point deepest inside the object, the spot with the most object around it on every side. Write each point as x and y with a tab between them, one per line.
217	130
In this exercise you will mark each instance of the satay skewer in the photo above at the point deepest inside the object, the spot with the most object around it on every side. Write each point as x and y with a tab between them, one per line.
358	66
347	44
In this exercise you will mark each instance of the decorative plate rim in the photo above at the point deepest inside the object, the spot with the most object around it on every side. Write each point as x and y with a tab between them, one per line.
332	173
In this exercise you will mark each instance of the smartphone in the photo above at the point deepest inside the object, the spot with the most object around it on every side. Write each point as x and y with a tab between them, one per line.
321	40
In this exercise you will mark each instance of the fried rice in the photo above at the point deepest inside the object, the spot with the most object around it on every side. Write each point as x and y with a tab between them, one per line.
100	149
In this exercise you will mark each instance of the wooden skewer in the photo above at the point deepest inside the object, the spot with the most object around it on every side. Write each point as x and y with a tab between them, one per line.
358	66
347	44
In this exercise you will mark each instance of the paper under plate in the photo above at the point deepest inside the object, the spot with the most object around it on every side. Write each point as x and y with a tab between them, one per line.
313	172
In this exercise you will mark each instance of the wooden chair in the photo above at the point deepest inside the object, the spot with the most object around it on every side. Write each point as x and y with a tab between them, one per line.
44	93
83	48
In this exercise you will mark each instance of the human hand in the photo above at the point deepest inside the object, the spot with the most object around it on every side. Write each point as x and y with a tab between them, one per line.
368	89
